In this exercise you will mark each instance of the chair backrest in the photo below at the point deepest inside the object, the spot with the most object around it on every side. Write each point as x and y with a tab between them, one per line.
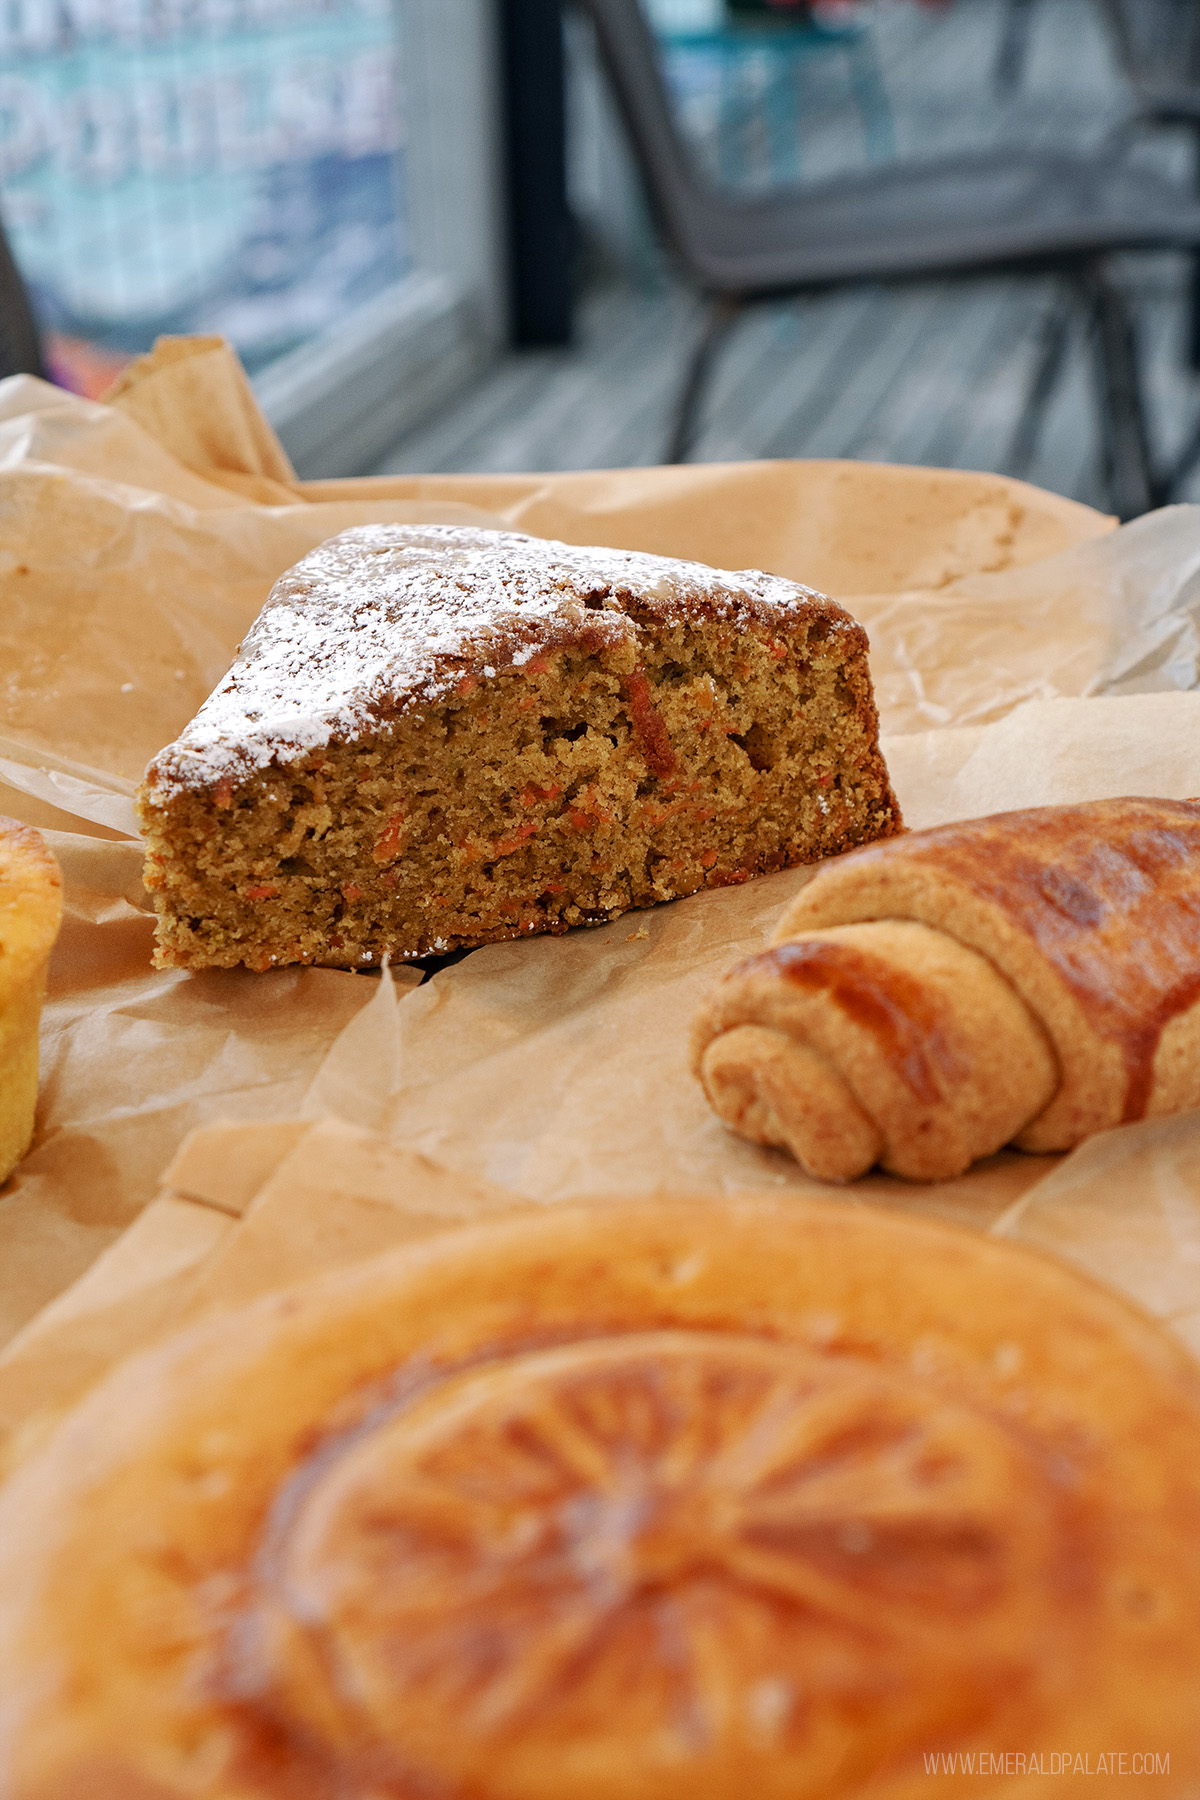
683	202
1158	41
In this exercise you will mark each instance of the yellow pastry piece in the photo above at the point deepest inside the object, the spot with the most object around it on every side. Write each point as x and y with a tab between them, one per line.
30	911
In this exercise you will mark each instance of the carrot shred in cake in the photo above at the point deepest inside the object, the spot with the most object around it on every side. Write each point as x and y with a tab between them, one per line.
437	736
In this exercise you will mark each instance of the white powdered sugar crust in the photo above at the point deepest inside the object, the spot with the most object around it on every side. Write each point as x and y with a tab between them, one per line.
385	619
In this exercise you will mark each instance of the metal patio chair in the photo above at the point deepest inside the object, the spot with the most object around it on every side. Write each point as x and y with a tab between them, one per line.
1158	42
1009	212
1158	46
780	48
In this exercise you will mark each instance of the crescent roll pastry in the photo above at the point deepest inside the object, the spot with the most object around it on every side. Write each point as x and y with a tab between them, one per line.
1030	978
686	1501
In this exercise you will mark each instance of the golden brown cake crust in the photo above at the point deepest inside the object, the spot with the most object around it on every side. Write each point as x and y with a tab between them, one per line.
30	895
436	737
30	914
646	1502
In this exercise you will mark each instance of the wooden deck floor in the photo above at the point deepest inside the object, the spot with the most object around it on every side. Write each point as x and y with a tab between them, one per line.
934	373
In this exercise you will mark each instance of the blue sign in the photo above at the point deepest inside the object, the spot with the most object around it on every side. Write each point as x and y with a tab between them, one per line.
201	165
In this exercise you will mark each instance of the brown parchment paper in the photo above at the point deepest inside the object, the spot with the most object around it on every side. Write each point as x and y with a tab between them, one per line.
131	1060
245	1208
242	1208
1114	615
137	541
559	1068
1125	1207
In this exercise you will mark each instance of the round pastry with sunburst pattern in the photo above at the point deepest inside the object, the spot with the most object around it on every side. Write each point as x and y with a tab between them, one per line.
655	1502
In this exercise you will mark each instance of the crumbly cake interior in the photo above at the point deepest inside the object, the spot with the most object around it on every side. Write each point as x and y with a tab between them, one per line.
557	791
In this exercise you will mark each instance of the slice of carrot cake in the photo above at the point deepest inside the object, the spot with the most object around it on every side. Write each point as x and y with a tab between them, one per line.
436	736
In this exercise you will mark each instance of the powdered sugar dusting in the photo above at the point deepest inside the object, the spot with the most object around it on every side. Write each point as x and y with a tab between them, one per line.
385	619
